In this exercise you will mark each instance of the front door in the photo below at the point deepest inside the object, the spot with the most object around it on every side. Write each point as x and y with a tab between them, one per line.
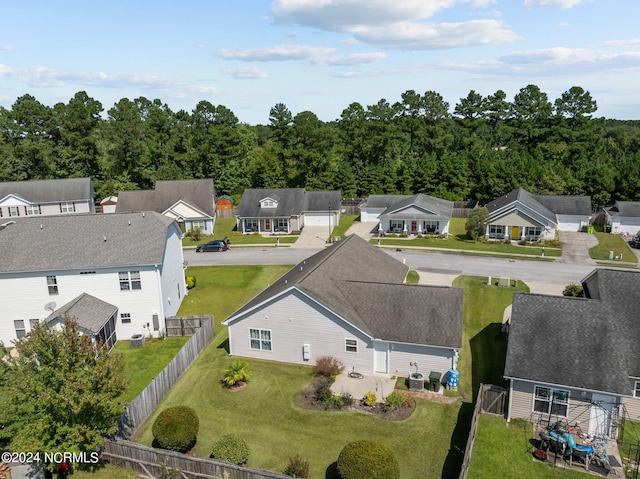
267	225
515	232
414	226
381	357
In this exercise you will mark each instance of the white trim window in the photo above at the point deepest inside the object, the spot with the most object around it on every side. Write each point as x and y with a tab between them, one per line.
283	225
533	230
31	210
268	203
351	345
496	229
260	339
251	224
198	224
14	211
52	284
551	401
129	280
431	226
125	318
67	207
636	389
396	225
21	332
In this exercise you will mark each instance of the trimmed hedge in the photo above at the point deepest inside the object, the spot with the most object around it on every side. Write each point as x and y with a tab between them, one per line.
176	428
368	460
231	448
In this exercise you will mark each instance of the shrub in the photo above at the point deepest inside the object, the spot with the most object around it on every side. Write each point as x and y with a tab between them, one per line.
328	366
298	466
574	290
191	282
236	372
176	428
232	449
194	234
368	460
322	391
347	399
369	399
394	401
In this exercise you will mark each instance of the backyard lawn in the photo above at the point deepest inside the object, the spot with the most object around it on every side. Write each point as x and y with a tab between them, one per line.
428	444
609	242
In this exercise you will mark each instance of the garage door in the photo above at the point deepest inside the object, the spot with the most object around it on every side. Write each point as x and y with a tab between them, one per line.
571	223
317	219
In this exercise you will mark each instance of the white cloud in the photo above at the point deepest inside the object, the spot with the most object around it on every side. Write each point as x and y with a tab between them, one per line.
350	59
7	48
246	73
553	3
274	53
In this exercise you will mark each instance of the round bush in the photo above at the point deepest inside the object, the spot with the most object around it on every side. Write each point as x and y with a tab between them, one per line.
368	460
176	428
231	448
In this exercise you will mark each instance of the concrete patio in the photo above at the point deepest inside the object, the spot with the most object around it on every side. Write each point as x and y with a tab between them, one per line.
382	385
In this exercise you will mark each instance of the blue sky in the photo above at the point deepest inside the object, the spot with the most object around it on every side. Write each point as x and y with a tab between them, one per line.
318	55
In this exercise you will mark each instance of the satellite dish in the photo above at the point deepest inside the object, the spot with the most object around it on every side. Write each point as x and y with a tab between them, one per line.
50	306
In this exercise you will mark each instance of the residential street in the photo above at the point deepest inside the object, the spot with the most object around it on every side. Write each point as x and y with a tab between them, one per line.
549	272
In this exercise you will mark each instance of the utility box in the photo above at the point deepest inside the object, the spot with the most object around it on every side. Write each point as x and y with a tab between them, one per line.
306	352
434	381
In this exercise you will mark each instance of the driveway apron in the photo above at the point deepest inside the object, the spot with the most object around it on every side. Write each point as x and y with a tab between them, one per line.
575	247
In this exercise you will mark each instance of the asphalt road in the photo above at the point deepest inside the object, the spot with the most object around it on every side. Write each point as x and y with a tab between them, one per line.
552	272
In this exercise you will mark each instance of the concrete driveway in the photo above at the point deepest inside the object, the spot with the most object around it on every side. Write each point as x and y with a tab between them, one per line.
312	237
575	247
364	229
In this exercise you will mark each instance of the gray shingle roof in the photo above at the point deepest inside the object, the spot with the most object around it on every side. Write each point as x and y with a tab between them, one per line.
629	209
547	206
68	242
578	342
383	201
90	312
49	191
342	278
433	207
291	202
199	193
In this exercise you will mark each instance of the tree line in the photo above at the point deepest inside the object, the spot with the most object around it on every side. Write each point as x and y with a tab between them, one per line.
481	148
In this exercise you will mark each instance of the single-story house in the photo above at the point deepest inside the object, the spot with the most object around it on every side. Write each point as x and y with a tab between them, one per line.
350	301
411	214
89	264
46	197
522	214
624	217
577	359
284	210
190	202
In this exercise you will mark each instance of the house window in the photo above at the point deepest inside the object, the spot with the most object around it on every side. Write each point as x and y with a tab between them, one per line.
14	211
397	225
198	224
496	229
268	204
52	284
20	331
33	323
251	225
431	226
283	225
260	339
636	389
351	345
67	207
532	231
87	272
32	210
125	318
551	401
129	280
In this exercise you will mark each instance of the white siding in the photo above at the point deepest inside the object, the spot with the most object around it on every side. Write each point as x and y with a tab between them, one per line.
428	358
572	222
172	279
370	214
630	226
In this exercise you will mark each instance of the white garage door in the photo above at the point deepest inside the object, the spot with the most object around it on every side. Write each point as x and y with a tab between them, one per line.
571	223
317	219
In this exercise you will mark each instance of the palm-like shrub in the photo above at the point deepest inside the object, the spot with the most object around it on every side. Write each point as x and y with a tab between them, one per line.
368	460
298	466
232	449
237	372
176	428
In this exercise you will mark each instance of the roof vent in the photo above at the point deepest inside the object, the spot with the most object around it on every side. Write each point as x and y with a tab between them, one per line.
143	214
104	239
129	222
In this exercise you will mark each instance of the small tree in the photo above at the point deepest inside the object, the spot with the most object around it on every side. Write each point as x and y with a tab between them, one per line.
237	372
476	224
231	449
176	428
368	460
60	390
574	290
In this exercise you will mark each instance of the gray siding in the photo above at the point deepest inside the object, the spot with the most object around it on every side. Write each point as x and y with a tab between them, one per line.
632	407
428	359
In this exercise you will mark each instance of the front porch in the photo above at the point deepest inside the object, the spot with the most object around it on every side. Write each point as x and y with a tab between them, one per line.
266	225
413	226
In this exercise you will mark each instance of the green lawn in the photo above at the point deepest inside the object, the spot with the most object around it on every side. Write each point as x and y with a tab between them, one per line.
345	223
616	243
264	414
227	227
141	365
499	451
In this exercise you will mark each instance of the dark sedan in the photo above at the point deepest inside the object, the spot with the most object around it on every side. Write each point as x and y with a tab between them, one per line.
216	245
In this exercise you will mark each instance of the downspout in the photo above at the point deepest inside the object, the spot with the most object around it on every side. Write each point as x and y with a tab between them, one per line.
161	312
509	404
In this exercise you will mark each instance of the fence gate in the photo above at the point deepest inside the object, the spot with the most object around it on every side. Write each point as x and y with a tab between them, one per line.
494	401
184	325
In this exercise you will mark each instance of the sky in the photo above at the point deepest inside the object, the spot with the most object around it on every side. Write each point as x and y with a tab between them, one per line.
318	55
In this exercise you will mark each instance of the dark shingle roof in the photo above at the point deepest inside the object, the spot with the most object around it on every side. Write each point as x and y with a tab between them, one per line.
432	207
625	208
524	197
68	242
49	191
342	278
383	201
546	205
199	193
90	312
291	202
578	342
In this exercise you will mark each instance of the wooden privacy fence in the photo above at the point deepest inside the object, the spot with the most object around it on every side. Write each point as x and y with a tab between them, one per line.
137	412
149	463
489	396
184	325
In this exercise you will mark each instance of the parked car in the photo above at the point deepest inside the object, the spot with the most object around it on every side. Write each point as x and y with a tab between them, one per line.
635	241
215	245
